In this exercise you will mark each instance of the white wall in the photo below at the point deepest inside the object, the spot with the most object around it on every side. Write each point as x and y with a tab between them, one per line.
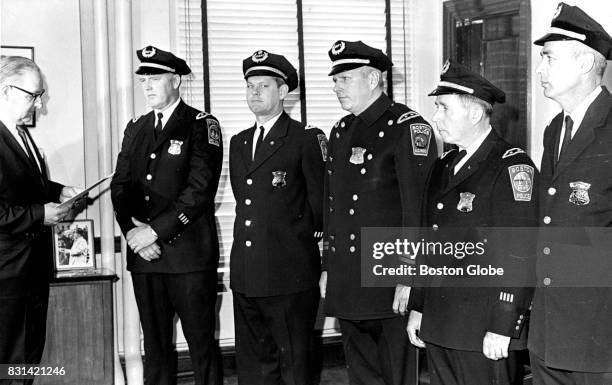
52	27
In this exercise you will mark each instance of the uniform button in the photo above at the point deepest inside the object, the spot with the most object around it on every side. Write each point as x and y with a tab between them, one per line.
333	249
434	227
363	171
521	316
352	236
247	223
369	156
440	205
330	172
149	176
546	220
247	202
351	211
147	198
331	198
341	125
390	122
331	209
330	158
552	191
271	143
152	156
381	134
546	250
338	134
518	328
249	181
352	249
248	243
355	197
547	281
518	321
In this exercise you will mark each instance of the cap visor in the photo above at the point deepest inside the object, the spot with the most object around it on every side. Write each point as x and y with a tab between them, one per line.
144	70
345	67
552	37
445	91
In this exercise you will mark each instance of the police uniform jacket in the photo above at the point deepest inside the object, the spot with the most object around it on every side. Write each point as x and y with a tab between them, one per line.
170	183
570	327
375	175
25	243
500	180
278	209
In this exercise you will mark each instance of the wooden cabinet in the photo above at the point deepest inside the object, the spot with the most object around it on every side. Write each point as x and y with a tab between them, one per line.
80	328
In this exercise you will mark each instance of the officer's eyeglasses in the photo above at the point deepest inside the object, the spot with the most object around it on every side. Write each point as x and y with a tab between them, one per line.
32	97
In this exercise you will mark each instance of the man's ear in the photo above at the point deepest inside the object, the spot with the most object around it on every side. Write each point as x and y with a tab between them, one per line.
476	115
176	81
283	91
586	62
374	79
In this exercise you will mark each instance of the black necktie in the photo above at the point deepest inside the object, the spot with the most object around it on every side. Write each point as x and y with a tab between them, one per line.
453	163
259	141
158	126
567	136
31	156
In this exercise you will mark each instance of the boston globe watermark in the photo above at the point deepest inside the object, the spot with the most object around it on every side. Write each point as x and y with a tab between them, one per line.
485	257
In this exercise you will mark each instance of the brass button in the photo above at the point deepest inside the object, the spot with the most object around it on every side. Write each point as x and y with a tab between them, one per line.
153	156
247	223
546	220
248	243
149	176
552	191
249	181
247	202
546	250
440	206
547	281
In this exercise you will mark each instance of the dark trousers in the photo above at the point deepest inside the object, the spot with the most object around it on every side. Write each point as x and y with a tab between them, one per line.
23	325
275	338
193	297
461	367
378	352
544	375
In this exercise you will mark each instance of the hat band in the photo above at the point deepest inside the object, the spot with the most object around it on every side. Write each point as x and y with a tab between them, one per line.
561	31
266	68
456	86
155	65
350	61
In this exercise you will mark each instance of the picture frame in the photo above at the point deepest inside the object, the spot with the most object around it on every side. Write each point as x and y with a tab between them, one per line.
27	52
73	246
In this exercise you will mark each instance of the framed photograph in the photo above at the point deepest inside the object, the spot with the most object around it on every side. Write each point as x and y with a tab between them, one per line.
73	246
27	52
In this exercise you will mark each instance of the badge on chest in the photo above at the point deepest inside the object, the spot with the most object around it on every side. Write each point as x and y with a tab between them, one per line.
279	179
175	147
466	202
580	193
357	155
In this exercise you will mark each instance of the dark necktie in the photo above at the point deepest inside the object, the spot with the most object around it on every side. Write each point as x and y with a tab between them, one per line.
158	126
31	156
451	167
259	141
567	136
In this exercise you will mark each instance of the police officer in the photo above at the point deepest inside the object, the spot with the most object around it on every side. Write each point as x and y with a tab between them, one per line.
163	193
276	171
472	334
570	339
375	173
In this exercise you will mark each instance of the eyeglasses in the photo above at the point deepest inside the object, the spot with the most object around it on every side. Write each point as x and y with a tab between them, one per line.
31	96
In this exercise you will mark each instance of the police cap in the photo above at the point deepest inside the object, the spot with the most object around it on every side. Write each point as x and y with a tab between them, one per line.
572	23
155	61
457	79
348	55
268	64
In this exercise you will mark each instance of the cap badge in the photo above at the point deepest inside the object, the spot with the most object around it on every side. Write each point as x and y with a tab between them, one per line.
521	177
466	200
445	67
279	179
357	155
259	56
580	193
558	11
149	52
338	47
175	147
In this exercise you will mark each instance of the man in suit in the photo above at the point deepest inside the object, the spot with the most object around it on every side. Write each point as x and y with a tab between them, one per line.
28	207
570	336
473	331
276	171
375	174
163	192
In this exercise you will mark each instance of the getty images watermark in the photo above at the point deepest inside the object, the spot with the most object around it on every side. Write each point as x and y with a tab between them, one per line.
483	257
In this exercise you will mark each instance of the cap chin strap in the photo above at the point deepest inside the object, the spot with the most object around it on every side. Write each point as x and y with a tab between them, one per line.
266	68
155	65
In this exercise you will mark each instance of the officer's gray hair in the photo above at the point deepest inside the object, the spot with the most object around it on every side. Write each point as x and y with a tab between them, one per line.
15	67
279	81
366	70
599	63
469	101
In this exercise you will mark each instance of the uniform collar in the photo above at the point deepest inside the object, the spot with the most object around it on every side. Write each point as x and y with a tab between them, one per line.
371	114
167	112
578	114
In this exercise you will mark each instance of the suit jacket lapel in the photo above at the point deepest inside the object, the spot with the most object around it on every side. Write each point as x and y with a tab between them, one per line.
171	125
473	163
42	172
594	118
247	148
272	142
19	152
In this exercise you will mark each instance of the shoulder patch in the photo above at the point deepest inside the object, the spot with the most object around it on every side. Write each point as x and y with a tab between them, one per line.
446	153
136	119
214	132
421	137
323	145
512	152
407	116
202	115
521	179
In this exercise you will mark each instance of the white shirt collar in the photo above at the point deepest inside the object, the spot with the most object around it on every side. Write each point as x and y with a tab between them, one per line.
167	112
472	148
267	127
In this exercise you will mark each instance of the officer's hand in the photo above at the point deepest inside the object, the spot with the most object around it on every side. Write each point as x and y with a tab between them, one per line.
323	283
414	325
495	346
54	213
400	300
140	237
151	252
